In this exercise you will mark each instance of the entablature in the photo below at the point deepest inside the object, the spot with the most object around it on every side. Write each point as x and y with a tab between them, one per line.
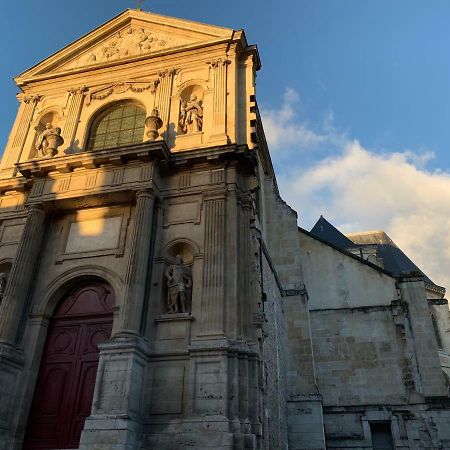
110	176
147	151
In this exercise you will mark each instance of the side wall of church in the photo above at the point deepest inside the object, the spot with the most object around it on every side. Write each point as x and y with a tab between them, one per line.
369	365
304	403
274	358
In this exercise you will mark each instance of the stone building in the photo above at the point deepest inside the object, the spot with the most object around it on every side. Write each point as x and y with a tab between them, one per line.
156	291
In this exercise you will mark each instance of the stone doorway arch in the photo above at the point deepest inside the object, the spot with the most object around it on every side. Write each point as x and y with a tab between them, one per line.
65	385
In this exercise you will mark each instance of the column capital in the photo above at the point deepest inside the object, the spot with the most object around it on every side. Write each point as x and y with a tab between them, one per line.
145	193
167	72
219	62
28	98
246	200
78	90
37	208
214	194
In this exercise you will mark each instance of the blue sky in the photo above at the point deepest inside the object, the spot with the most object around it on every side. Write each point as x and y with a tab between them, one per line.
355	97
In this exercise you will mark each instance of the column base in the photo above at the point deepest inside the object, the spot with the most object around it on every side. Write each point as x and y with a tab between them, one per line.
111	433
190	435
11	365
200	440
203	441
115	422
218	139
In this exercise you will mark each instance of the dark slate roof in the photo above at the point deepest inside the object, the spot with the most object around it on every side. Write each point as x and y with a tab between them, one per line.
346	252
394	260
330	234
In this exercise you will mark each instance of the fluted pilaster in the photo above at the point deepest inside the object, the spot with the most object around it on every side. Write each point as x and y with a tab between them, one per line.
164	96
73	115
246	309
21	275
213	294
28	107
219	77
138	265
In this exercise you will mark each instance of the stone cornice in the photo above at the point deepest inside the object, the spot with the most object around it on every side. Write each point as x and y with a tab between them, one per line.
39	168
210	154
18	184
96	175
193	49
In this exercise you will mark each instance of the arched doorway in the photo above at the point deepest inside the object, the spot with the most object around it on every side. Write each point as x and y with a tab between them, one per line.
65	384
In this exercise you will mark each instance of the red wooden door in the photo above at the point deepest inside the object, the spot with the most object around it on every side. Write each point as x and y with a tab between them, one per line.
66	380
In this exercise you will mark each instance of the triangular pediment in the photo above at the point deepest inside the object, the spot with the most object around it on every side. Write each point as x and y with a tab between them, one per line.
132	34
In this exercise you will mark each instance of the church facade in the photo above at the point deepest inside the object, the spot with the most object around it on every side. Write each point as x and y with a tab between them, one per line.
156	291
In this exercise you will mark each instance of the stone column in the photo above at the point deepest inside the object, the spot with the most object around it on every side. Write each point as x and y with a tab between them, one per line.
21	275
12	311
116	415
213	292
73	115
219	77
164	96
138	264
27	107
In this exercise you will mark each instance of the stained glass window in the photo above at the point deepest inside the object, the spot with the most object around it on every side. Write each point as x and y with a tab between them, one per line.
120	125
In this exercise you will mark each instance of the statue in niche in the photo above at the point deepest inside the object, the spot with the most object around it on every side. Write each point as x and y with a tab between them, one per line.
48	142
3	280
191	115
179	286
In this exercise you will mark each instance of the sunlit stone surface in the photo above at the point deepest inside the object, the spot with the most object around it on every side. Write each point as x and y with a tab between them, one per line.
155	290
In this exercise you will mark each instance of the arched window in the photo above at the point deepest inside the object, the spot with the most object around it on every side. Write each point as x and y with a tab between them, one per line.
119	125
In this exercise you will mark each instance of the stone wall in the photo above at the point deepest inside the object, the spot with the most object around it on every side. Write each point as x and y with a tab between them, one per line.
274	360
375	353
360	357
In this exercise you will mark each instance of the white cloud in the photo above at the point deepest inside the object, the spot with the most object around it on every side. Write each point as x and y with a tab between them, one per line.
283	129
359	189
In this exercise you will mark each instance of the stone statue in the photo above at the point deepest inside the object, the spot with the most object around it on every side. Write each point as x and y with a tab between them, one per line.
3	280
191	115
179	284
48	142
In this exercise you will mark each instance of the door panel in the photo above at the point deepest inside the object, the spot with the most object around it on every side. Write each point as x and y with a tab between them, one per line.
66	380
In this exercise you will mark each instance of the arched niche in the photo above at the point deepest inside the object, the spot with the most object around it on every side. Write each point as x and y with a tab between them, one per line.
48	118
115	124
191	110
179	259
186	248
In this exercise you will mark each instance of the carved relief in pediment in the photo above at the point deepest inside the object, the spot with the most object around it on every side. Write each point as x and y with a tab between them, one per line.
132	41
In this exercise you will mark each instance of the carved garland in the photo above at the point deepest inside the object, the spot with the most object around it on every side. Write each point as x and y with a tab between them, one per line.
120	88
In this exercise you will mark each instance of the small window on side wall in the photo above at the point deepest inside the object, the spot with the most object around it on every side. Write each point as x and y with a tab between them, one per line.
381	436
121	124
